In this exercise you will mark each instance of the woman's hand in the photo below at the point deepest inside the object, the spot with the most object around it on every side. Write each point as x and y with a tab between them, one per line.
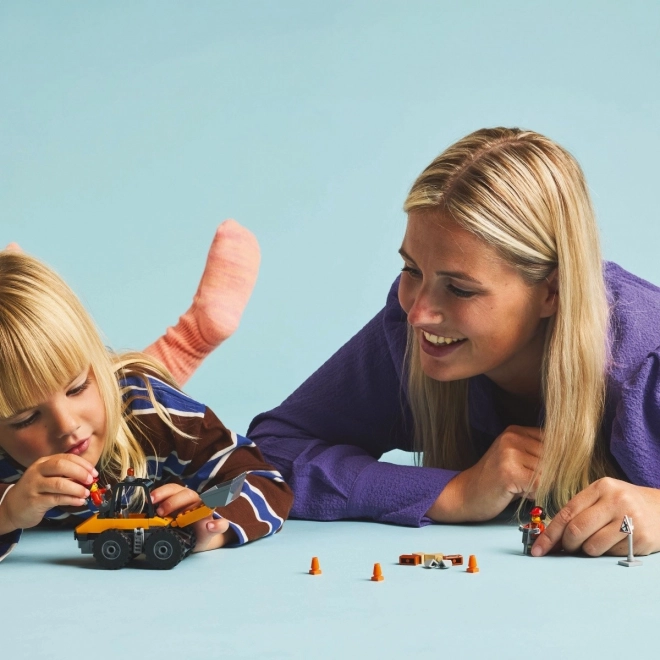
591	521
57	480
505	472
211	533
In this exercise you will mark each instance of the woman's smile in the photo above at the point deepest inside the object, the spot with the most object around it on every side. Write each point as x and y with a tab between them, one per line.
437	345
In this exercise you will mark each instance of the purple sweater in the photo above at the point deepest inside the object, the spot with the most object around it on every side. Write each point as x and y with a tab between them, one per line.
326	438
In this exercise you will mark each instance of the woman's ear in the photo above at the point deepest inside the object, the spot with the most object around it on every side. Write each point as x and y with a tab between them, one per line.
551	295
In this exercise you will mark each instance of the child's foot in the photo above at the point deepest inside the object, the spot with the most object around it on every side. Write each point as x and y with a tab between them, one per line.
229	277
227	283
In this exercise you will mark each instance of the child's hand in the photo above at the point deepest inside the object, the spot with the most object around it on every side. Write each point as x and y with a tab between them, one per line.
211	532
592	519
57	480
503	473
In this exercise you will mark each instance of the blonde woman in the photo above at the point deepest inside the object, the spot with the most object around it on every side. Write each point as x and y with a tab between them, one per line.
508	353
72	413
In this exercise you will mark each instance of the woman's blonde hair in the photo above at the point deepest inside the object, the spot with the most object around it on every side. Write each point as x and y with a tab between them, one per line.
526	197
47	339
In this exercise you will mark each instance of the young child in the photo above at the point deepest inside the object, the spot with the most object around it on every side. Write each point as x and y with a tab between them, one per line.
71	413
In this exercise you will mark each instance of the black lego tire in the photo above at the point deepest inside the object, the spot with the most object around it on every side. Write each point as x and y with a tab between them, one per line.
164	549
112	549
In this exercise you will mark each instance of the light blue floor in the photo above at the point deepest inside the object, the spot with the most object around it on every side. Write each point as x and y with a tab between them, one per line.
259	602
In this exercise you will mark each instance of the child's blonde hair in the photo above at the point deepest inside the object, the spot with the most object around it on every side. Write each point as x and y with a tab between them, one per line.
525	196
47	338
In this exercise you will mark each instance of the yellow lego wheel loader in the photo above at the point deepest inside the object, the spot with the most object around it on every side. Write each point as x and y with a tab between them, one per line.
114	536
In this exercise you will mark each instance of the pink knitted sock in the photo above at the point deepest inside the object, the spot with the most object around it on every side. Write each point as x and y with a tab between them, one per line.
224	290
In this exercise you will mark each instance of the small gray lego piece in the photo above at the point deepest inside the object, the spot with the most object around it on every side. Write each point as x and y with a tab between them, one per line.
627	527
224	493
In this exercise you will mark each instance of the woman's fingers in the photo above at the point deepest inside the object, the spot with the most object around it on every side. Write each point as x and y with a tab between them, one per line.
591	521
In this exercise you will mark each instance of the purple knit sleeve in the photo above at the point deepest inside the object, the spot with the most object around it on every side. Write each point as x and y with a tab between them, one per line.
635	441
326	438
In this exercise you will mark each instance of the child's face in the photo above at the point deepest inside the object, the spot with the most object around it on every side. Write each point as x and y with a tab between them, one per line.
71	420
456	286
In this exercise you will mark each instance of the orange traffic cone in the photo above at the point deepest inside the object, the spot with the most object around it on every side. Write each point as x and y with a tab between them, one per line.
378	574
472	564
316	567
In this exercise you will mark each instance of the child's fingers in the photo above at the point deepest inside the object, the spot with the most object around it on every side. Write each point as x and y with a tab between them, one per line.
217	525
213	533
63	487
69	466
66	500
163	492
184	498
79	460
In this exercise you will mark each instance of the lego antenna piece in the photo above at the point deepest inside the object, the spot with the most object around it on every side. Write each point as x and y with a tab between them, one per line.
627	528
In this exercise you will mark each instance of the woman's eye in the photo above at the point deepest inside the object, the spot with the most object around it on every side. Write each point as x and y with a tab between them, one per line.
25	422
79	389
460	293
413	272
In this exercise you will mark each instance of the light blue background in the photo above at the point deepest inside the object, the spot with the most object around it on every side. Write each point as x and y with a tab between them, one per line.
130	129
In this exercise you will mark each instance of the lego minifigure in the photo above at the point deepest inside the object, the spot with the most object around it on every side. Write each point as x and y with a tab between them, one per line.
532	529
97	494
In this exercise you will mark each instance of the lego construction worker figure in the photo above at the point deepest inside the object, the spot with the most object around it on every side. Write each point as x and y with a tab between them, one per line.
97	494
532	529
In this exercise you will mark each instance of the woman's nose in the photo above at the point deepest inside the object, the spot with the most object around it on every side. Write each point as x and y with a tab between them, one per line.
424	310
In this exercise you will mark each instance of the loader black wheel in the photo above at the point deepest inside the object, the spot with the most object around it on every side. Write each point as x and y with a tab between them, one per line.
112	549
164	549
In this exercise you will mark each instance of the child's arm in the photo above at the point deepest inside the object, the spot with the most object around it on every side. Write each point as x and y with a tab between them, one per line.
229	277
215	456
210	455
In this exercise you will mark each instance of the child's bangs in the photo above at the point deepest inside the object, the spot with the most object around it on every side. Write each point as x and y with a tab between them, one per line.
38	361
